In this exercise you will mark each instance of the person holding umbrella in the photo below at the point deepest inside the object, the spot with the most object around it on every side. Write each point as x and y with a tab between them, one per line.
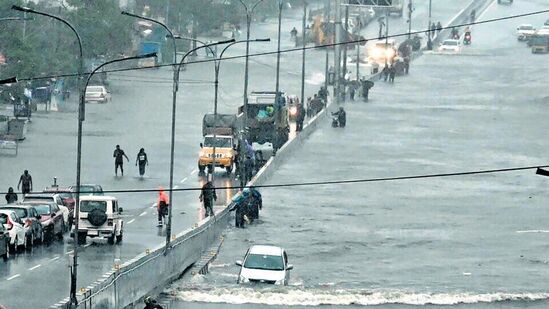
366	85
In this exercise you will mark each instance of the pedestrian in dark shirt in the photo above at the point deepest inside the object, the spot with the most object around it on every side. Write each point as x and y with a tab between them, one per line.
118	156
433	29
439	27
25	181
392	73
208	196
11	197
142	161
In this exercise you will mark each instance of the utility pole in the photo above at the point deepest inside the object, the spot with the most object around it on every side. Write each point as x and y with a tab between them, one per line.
386	31
345	48
304	29
410	10
327	21
337	48
429	42
167	12
277	143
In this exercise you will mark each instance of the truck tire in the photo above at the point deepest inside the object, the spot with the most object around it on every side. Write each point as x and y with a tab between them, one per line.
110	240
201	168
119	238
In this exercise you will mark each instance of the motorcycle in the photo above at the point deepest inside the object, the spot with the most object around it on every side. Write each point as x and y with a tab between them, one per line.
335	122
467	38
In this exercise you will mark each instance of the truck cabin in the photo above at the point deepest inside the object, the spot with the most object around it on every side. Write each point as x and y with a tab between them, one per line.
218	142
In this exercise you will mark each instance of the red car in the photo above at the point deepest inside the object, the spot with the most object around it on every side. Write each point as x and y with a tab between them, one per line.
66	196
51	218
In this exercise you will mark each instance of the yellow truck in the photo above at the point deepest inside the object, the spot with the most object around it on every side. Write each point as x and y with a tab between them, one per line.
218	147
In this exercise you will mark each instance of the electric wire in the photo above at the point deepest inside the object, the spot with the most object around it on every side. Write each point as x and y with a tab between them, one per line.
336	182
298	48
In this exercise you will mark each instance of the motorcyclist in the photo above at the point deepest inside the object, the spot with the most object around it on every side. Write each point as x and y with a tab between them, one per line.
293	33
455	33
467	36
341	117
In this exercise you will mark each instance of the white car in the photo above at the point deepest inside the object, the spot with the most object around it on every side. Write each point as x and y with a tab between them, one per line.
99	216
450	45
525	31
16	231
265	264
97	94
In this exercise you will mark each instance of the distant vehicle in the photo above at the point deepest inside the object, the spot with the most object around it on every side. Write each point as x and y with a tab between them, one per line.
450	45
4	243
539	43
524	31
50	217
88	189
68	214
225	142
382	51
34	232
397	7
264	264
506	1
97	94
149	48
13	224
546	23
100	216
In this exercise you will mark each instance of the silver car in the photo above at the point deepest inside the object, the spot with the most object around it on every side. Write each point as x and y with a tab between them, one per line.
265	264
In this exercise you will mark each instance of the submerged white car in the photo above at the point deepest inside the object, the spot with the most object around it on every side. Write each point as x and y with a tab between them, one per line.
525	31
450	46
265	264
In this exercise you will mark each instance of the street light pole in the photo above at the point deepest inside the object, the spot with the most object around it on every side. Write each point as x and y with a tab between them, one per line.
410	10
81	118
327	21
174	104
277	84
429	41
304	39
216	86
249	13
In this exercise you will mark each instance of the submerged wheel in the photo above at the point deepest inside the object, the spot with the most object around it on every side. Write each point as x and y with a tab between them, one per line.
81	238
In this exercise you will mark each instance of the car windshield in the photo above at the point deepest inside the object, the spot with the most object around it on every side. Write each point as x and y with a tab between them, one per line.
526	27
42	209
39	198
94	89
21	212
451	43
90	190
87	206
218	142
267	262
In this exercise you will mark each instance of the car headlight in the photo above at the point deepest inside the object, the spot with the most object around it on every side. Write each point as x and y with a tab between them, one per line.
243	279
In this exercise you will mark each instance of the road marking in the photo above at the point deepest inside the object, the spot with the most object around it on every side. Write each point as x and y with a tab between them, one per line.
55	258
175	187
35	267
194	171
142	214
70	252
183	180
13	277
131	221
533	231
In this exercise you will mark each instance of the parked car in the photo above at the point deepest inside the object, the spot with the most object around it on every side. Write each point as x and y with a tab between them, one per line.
34	232
55	198
51	219
88	189
264	264
97	94
66	195
100	216
14	225
4	243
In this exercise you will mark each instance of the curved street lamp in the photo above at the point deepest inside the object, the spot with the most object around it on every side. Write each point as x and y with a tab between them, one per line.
81	118
216	83
249	12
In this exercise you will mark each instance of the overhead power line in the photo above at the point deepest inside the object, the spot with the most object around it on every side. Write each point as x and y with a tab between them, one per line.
300	48
344	181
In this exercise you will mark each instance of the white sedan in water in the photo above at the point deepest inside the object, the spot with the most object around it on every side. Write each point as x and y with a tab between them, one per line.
264	264
97	94
450	46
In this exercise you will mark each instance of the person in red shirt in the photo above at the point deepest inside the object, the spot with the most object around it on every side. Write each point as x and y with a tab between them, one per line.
162	205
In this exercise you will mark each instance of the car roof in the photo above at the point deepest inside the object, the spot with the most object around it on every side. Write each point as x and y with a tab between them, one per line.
266	250
57	189
37	203
18	206
6	211
46	194
97	198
